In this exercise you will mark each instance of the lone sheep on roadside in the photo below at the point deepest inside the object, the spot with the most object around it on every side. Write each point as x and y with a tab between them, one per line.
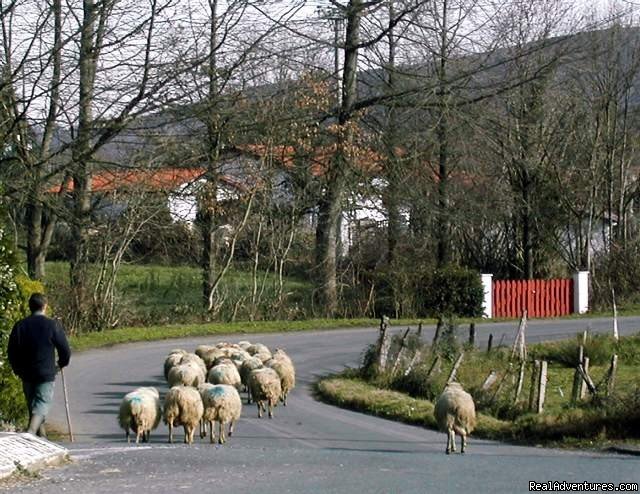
222	404
455	413
140	411
265	388
183	406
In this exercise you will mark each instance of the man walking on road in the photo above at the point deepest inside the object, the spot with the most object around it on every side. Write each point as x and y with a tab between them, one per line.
31	354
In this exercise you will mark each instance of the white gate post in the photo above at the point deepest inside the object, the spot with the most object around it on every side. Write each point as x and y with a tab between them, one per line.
581	292
487	301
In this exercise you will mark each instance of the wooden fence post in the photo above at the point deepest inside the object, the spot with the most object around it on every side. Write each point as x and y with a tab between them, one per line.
439	327
490	344
383	343
401	352
432	369
534	381
519	346
584	382
542	387
611	377
472	334
490	380
577	378
587	378
454	371
413	362
520	381
419	329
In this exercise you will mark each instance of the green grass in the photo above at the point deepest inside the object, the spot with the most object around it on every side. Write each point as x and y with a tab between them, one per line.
151	294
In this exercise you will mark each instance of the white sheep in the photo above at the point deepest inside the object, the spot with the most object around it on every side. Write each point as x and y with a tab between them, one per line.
225	374
259	350
173	359
140	411
287	374
280	354
249	365
244	344
265	387
455	413
183	406
188	374
192	358
222	404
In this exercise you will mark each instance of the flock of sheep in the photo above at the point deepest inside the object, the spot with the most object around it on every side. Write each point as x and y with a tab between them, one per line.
205	388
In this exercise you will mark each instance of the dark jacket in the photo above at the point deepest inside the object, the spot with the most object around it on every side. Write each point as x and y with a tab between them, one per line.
31	348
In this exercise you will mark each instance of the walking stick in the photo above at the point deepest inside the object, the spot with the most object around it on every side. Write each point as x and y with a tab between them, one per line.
66	404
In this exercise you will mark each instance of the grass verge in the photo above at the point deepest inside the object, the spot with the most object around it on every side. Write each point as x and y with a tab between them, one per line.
130	335
353	393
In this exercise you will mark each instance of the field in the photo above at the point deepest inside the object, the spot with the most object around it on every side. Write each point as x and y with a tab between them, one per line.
151	294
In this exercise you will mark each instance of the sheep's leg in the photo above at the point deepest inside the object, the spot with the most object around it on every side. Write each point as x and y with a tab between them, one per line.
171	431
186	434
271	404
212	432
453	441
464	443
221	438
203	428
259	409
126	434
284	401
231	424
451	445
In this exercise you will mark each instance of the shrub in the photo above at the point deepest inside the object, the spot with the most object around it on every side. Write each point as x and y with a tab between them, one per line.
451	291
12	406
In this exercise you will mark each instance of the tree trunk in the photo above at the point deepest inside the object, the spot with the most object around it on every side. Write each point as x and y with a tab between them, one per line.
81	173
330	206
443	228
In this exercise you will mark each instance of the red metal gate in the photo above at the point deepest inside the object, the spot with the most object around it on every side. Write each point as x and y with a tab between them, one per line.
541	298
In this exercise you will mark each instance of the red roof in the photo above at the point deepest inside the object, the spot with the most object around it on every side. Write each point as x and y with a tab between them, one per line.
164	179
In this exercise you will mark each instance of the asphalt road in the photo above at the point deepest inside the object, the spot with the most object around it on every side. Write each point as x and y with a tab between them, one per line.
308	446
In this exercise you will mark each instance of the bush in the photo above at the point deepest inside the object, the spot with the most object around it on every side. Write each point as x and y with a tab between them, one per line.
451	291
12	405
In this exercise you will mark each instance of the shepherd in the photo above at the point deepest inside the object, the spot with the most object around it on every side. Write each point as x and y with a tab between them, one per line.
32	345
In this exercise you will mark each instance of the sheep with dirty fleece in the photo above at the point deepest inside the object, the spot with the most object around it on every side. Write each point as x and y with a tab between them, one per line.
280	354
259	350
140	411
187	374
173	359
287	374
222	404
225	374
455	412
249	365
265	389
183	406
